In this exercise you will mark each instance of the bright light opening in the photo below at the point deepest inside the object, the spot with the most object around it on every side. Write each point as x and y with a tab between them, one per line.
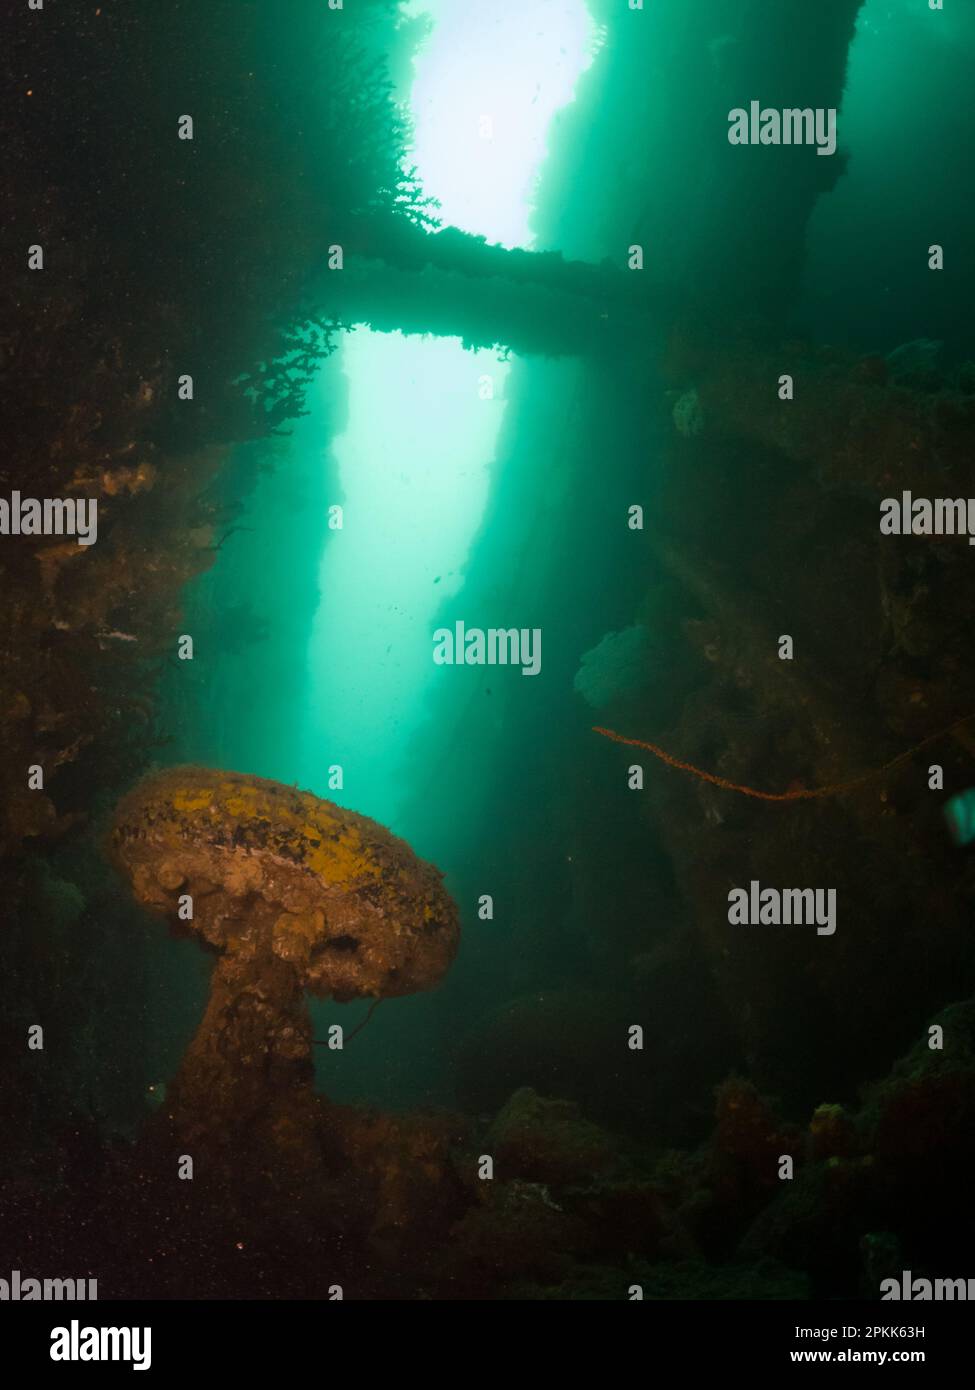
423	428
487	83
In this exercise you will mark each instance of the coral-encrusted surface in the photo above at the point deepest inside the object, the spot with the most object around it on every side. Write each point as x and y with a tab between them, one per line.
347	904
295	894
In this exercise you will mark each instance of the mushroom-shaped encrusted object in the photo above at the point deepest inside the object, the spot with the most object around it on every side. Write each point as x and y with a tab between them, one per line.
294	894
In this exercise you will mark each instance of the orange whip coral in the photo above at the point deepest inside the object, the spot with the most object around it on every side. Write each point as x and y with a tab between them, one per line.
797	794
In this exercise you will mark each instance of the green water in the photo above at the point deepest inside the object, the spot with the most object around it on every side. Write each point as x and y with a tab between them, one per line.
409	437
575	367
313	645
